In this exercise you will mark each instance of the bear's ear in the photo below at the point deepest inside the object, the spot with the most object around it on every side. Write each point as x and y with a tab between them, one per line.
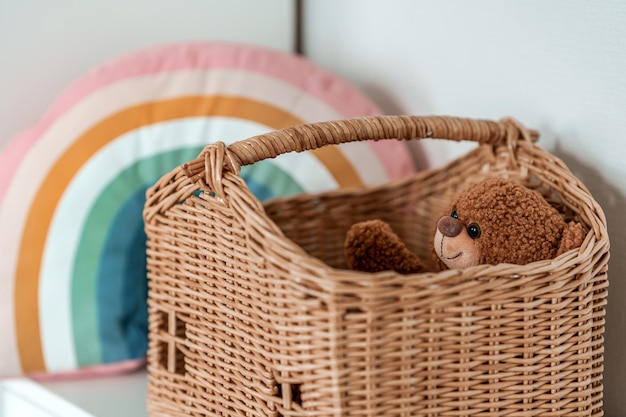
573	236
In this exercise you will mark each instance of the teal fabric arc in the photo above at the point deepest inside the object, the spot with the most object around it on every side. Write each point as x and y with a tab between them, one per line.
112	251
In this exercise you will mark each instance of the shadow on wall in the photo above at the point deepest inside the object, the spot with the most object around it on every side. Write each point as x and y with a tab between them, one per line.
612	202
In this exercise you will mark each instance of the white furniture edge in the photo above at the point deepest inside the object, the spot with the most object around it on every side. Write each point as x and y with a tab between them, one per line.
23	397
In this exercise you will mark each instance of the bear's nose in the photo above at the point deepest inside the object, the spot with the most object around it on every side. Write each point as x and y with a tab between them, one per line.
449	226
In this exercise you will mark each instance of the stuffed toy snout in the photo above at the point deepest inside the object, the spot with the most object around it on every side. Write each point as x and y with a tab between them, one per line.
454	245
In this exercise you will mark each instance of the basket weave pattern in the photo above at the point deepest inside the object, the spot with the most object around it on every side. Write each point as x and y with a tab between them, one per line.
252	313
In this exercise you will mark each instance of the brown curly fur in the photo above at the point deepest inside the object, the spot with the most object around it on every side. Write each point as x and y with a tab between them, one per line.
372	246
517	226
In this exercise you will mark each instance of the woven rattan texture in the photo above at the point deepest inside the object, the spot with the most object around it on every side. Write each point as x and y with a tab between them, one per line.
252	313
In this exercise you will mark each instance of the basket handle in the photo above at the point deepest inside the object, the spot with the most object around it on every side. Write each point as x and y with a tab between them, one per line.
316	135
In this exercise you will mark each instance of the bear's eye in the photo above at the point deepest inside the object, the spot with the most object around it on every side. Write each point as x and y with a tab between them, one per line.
473	230
454	214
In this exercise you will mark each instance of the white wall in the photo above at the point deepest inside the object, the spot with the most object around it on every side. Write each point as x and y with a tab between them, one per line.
47	44
559	66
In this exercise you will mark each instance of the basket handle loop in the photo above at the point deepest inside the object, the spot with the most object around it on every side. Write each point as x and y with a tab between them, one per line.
310	136
208	168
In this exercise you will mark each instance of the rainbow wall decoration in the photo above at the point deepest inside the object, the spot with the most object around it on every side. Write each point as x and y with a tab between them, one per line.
72	266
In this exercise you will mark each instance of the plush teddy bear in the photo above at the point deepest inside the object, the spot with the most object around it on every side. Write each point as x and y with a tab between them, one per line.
491	222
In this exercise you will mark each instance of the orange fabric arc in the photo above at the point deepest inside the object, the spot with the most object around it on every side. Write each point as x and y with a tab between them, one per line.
59	176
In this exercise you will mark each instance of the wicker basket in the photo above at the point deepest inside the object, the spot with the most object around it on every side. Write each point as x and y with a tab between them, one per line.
252	313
